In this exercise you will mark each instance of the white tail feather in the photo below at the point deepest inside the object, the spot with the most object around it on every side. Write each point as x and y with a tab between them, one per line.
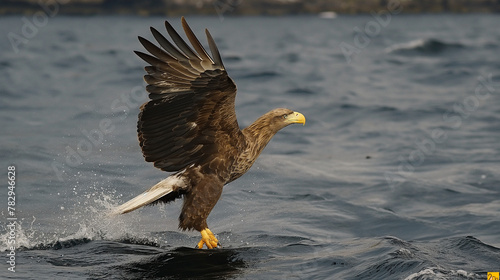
156	192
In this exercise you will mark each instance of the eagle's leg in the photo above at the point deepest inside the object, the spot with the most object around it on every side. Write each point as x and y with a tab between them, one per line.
208	239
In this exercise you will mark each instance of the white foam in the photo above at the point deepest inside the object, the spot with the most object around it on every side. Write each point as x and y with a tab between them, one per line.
87	219
442	274
406	46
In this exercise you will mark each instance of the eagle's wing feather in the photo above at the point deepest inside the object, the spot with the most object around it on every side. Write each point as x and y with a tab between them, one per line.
191	117
214	50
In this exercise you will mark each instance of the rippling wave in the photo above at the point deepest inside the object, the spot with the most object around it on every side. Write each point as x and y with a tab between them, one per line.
424	47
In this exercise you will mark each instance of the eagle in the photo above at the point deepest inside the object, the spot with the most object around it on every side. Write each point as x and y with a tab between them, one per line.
189	127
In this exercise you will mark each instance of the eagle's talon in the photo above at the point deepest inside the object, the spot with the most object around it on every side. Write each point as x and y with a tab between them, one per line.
208	239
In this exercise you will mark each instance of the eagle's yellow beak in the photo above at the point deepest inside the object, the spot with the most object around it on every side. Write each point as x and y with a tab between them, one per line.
296	117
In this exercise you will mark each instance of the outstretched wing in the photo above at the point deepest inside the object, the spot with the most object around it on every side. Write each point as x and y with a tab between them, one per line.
190	118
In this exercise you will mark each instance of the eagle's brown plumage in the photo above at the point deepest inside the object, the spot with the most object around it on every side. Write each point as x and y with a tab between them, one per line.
189	127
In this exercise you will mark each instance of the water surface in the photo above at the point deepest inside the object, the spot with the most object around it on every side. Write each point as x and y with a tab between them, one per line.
394	176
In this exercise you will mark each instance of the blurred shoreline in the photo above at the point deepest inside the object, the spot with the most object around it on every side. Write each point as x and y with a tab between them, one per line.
241	7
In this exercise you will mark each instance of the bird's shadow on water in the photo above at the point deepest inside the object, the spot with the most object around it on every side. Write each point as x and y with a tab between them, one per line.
184	263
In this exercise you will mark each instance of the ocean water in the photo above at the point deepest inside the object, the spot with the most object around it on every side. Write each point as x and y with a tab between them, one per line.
394	176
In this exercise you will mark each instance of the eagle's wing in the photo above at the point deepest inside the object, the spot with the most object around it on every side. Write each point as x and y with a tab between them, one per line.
190	118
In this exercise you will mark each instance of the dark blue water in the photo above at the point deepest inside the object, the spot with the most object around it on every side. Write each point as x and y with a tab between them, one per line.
394	176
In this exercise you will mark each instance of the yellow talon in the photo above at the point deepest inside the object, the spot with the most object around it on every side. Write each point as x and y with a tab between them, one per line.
208	238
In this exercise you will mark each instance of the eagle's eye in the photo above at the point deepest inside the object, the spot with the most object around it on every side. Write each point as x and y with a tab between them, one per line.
285	116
